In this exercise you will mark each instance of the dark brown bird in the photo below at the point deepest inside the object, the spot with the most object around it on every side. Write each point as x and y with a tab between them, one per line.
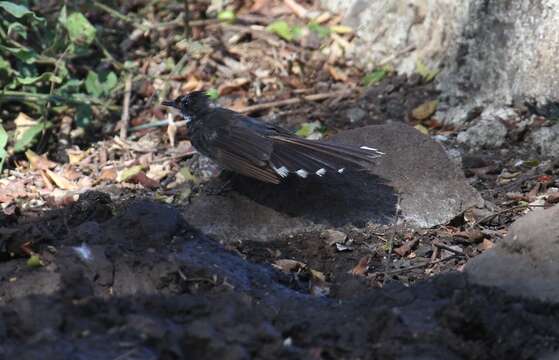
265	152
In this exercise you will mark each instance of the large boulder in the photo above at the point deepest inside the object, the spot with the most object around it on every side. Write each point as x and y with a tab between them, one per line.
525	262
489	51
415	169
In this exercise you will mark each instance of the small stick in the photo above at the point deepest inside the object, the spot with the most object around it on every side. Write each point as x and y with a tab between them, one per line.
186	19
253	108
448	248
514	208
314	97
299	10
418	266
126	108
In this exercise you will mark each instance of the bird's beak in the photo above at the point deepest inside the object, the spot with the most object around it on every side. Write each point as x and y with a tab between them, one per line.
170	103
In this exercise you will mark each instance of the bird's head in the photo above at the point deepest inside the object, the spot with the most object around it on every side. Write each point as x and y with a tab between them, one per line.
191	104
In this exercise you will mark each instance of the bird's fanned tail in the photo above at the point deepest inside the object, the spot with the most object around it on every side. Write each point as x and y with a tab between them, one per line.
310	157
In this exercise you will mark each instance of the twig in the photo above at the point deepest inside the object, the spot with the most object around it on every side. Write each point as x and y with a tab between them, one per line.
8	95
314	97
251	109
448	248
297	9
418	266
514	208
126	107
186	19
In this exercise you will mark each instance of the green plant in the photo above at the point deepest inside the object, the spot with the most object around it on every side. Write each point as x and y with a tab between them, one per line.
38	57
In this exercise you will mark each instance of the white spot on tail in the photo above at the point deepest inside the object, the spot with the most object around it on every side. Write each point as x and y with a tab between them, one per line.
282	171
341	170
321	172
372	149
302	173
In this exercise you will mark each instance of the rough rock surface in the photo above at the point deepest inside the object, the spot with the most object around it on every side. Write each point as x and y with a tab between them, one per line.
432	190
546	140
489	51
488	132
525	262
402	32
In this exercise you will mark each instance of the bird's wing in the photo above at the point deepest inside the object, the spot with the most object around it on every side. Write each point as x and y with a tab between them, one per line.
243	149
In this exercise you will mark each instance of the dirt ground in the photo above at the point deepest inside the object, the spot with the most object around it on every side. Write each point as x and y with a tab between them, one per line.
152	287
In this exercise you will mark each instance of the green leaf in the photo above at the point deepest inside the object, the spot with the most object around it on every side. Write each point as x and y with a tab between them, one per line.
18	11
213	94
28	56
227	16
84	115
100	85
3	157
17	28
3	137
28	136
70	87
427	74
34	261
3	143
374	77
47	76
80	30
282	29
321	31
309	128
5	67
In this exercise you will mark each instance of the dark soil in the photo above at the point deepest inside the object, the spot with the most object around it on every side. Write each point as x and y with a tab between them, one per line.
153	288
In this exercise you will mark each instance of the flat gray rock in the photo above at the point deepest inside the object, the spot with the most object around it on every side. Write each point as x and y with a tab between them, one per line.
432	191
525	262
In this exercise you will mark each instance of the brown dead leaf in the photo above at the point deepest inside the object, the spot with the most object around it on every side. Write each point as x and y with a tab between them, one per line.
425	110
553	198
289	265
336	73
297	8
362	266
486	244
11	190
230	86
59	198
159	171
23	122
192	84
70	173
108	174
48	182
406	248
142	179
39	162
75	155
534	192
259	5
471	235
61	181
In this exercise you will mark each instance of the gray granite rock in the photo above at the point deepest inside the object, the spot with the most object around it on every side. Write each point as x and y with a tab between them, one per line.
546	140
432	190
486	133
525	262
490	52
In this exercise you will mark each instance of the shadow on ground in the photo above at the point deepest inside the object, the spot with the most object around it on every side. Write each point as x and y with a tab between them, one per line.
152	287
332	201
